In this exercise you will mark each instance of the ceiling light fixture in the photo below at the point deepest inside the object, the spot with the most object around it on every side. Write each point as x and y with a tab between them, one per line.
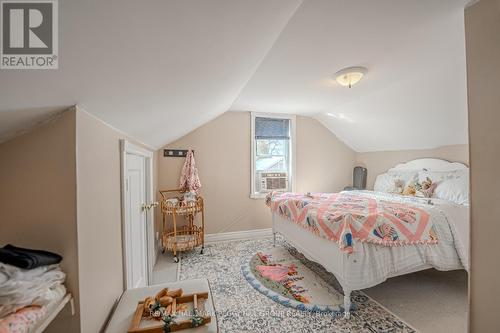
349	76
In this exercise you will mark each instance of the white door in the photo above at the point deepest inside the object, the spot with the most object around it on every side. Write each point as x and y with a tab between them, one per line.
136	218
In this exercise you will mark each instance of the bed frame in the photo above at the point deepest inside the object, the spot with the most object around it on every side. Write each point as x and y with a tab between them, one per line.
330	257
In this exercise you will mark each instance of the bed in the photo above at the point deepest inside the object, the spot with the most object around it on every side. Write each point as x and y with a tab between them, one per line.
362	264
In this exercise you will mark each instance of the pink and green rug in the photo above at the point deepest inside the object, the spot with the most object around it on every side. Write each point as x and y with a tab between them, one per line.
286	280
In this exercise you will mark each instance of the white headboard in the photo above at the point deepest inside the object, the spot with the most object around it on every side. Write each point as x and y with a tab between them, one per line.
431	164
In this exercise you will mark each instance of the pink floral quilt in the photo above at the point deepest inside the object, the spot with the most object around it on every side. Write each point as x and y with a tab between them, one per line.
347	217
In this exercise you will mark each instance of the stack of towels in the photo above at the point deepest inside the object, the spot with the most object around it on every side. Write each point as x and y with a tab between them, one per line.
30	282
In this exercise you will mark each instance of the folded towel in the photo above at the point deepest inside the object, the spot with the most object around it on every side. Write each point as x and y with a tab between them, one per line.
25	288
16	273
27	258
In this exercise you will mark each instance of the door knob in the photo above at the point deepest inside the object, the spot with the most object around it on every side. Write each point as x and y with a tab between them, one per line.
151	205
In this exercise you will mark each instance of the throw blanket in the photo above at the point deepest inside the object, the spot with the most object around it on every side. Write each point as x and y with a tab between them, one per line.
27	258
22	321
347	217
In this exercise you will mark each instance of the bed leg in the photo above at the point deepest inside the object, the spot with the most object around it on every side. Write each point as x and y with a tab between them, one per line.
347	304
274	231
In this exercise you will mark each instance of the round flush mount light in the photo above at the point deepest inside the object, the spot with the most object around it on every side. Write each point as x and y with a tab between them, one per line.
349	76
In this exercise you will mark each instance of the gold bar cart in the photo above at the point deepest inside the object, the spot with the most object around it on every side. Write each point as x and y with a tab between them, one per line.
185	237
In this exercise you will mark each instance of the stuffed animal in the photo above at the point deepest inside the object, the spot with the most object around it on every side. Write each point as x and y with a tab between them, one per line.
168	295
163	299
399	186
410	190
149	305
427	188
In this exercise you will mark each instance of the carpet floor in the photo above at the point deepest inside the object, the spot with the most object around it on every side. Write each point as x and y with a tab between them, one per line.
430	300
240	308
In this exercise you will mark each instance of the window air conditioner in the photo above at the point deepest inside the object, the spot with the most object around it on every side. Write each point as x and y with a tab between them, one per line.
273	181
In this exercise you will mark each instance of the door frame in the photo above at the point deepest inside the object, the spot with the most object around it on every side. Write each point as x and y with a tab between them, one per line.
126	147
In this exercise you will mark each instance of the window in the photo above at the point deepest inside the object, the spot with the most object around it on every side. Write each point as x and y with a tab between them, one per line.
272	154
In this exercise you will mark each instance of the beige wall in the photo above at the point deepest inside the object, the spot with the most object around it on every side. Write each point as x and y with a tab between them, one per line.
222	153
324	163
100	253
380	162
38	198
482	25
61	192
99	219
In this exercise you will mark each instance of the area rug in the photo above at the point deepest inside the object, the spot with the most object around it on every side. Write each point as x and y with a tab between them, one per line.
241	308
279	275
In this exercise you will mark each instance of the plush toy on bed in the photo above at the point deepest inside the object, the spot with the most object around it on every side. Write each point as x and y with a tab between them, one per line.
399	186
427	188
411	189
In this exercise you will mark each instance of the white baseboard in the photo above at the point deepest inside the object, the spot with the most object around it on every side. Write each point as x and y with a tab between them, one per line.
237	235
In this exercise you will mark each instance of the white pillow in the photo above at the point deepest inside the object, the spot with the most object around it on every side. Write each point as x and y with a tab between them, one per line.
382	183
394	181
451	185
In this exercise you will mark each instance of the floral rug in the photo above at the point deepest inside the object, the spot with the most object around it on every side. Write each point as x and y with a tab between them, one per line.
241	308
282	277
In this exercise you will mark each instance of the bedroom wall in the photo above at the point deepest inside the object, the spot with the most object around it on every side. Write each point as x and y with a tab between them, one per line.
379	162
38	198
482	31
99	219
61	192
222	153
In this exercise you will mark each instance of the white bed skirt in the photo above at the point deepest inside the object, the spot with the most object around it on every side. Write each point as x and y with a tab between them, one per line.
370	264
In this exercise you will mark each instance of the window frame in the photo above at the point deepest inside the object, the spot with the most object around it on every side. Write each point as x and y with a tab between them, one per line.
292	151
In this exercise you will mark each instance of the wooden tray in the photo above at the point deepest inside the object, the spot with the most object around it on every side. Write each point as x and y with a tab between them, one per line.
176	325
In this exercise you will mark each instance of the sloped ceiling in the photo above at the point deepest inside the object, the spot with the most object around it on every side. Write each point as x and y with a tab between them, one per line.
414	93
154	69
158	69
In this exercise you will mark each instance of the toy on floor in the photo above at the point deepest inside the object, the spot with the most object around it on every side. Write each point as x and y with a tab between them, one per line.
170	311
163	299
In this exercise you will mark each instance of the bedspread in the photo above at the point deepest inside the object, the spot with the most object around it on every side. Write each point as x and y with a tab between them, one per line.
347	217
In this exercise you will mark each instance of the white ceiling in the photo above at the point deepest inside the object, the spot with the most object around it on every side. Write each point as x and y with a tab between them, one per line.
153	69
414	93
158	69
